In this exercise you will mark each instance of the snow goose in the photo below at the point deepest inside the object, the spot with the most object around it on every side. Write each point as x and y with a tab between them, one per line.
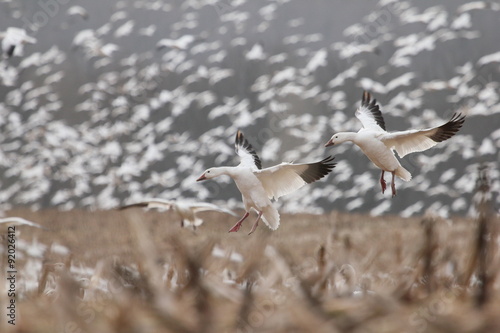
13	40
258	186
78	11
186	210
181	43
379	145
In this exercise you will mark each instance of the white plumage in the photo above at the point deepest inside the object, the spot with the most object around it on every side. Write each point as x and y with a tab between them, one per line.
259	186
181	43
185	209
378	144
13	40
78	11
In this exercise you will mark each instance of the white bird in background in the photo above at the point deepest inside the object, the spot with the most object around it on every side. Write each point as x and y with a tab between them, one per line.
78	11
256	53
489	58
92	45
379	145
258	186
13	40
116	153
181	43
18	221
186	210
473	5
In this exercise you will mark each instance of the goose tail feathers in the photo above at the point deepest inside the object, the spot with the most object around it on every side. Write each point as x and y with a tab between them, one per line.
403	174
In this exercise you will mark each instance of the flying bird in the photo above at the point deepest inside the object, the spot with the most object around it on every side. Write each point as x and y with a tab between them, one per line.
13	40
78	11
379	145
186	210
182	43
258	186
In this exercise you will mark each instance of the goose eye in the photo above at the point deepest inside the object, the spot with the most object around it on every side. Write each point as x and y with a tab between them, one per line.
208	171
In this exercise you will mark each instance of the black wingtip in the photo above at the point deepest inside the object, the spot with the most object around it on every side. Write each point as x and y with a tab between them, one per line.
240	141
142	204
10	51
373	107
449	129
239	138
365	99
327	161
318	170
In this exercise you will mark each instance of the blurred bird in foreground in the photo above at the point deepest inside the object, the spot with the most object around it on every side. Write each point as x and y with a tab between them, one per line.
185	209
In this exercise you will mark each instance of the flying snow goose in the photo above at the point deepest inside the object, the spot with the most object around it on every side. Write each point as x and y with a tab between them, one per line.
186	210
258	186
181	43
78	11
13	40
379	145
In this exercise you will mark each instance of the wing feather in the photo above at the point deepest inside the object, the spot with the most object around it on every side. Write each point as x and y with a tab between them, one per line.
406	142
286	178
166	204
369	113
18	221
151	203
205	206
245	151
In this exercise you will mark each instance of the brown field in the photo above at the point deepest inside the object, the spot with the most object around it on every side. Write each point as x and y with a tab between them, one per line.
138	271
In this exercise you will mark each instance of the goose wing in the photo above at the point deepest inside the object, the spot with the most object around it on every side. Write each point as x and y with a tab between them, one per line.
369	113
151	203
247	154
18	221
286	178
205	206
406	142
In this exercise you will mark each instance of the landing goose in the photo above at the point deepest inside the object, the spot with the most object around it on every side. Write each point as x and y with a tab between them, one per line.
259	186
379	145
186	210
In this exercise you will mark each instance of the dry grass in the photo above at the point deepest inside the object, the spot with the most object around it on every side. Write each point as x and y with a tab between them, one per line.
331	273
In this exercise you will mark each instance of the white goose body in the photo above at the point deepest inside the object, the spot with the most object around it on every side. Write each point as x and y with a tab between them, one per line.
370	144
254	196
379	145
259	186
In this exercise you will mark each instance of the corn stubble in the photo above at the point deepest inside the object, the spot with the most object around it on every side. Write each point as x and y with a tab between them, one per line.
332	273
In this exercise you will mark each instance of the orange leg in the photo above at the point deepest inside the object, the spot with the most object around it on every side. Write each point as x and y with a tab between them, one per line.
255	224
382	182
393	185
237	226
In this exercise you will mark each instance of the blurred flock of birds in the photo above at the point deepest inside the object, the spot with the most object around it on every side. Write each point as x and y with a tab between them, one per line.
103	105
